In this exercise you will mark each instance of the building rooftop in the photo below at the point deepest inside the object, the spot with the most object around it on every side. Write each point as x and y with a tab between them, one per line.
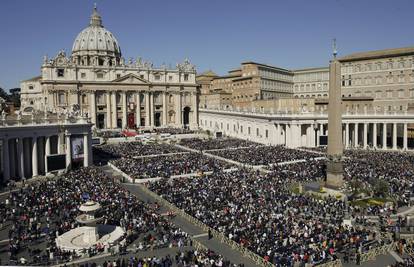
394	52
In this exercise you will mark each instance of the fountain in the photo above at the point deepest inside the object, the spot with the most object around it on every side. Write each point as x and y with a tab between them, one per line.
91	233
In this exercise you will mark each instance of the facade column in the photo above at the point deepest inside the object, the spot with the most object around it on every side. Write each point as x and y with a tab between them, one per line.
195	109
178	113
35	169
47	152
92	107
114	122
394	136
365	139
6	160
68	152
384	136
60	144
152	109
108	110
347	135
86	145
164	109
138	109
374	135
147	109
20	158
356	135
321	129
318	135
405	136
124	110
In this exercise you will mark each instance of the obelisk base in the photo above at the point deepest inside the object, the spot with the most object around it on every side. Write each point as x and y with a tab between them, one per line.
334	173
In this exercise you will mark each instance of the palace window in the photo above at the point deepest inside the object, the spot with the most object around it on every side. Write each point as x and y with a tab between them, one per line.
60	72
30	87
267	133
99	75
118	76
185	77
83	75
141	76
170	78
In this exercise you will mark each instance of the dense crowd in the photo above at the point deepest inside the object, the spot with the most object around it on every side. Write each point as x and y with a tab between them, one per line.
134	149
219	143
40	212
264	155
259	212
166	166
396	169
174	131
201	258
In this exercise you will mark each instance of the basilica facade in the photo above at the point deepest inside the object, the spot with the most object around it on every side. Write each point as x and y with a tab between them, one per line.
115	93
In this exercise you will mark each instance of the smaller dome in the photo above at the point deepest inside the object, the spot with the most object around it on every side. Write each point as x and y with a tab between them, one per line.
95	39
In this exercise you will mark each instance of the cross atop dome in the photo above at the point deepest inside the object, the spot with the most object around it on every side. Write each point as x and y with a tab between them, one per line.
96	19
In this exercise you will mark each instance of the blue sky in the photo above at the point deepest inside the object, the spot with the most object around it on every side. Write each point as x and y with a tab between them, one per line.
213	34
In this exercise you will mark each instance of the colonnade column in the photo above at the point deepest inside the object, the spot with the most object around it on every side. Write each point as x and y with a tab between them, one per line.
384	136
365	139
147	109
12	157
47	152
164	109
312	135
6	159
124	109
35	170
108	110
138	109
394	136
114	122
68	152
318	134
356	135
374	135
86	144
347	135
92	107
405	137
20	158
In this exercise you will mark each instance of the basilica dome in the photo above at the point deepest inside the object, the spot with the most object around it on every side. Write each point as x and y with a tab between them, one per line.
96	40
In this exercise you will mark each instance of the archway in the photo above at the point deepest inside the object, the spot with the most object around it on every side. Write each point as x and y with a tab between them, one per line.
186	116
100	121
157	119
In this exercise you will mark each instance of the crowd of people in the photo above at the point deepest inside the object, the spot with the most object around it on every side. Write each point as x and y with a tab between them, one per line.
135	149
189	258
166	166
264	155
173	131
40	212
219	143
259	212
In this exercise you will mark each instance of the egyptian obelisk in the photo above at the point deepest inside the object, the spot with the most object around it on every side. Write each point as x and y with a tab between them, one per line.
334	166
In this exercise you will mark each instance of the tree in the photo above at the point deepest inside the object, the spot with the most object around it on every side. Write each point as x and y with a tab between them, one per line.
381	188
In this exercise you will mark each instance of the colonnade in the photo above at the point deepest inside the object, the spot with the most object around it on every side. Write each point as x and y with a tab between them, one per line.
389	131
25	148
172	110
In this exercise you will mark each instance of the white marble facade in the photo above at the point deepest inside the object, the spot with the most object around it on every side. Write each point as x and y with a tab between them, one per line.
114	92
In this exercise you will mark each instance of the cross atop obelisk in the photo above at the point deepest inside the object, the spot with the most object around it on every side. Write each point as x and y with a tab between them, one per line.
334	167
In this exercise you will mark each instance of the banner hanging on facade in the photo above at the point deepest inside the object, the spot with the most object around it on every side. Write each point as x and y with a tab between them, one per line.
77	147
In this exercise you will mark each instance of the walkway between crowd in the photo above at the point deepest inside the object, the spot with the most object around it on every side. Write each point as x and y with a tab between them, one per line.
193	230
